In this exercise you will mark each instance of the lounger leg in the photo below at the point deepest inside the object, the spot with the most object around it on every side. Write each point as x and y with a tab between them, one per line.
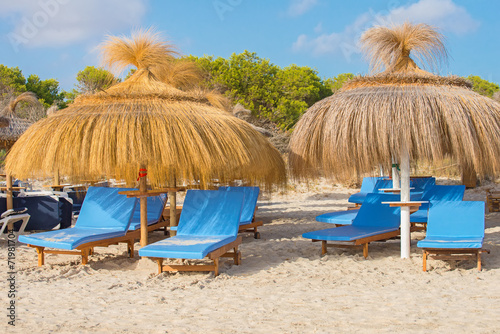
479	260
237	256
160	265
365	250
85	256
41	256
424	257
323	247
130	248
216	267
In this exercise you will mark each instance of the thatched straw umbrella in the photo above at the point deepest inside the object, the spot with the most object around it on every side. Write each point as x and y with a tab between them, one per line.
403	112
144	123
11	132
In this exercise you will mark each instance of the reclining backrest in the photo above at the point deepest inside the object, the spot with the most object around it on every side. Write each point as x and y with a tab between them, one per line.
105	208
423	183
382	184
155	207
211	213
456	219
250	202
374	213
368	184
444	193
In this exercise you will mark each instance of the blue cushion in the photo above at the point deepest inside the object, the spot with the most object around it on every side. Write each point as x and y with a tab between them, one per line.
423	183
155	209
369	185
104	208
450	243
437	193
373	218
105	214
209	220
454	224
211	212
338	217
69	238
348	233
251	197
185	246
373	213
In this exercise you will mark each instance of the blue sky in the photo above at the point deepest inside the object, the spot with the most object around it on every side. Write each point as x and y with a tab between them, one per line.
57	38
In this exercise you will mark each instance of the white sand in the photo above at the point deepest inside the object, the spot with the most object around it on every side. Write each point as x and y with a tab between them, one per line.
282	286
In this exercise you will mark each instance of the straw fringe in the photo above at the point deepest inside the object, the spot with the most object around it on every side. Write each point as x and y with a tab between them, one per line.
354	131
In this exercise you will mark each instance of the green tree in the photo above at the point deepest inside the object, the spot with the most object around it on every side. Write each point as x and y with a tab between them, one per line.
47	90
12	77
482	86
281	95
336	83
93	79
12	81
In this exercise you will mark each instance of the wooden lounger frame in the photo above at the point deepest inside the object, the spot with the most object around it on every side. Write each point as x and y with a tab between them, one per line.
223	251
87	249
252	227
363	242
453	254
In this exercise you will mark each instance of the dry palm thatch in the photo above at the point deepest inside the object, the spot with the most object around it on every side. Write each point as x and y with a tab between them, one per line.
144	121
374	118
12	126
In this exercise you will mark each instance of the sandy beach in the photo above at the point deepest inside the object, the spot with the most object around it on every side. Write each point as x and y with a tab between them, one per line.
282	286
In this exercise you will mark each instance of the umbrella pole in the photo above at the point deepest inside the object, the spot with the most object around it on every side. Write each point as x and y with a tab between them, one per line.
144	206
395	175
56	178
405	210
10	200
172	195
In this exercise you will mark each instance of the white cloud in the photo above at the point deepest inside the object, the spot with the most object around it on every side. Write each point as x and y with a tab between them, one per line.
444	14
319	28
65	22
300	7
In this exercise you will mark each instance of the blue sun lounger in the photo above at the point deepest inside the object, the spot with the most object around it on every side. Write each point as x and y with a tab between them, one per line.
104	220
208	227
247	220
374	221
368	186
436	193
422	183
455	231
346	217
156	205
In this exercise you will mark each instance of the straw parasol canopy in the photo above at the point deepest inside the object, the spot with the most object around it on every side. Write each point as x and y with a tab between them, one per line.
146	122
401	112
374	117
11	126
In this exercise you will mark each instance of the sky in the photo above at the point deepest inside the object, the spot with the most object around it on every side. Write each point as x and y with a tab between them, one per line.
58	38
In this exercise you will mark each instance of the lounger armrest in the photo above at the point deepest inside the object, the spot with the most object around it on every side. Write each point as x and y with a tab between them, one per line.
416	204
12	212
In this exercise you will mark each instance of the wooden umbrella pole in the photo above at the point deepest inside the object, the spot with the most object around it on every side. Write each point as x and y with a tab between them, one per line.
172	195
56	178
144	205
10	200
405	210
